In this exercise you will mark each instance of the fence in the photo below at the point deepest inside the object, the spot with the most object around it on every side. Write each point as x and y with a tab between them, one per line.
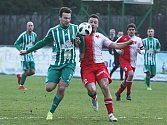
13	25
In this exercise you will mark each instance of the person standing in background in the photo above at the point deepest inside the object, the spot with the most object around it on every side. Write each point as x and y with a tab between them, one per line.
152	47
25	41
112	51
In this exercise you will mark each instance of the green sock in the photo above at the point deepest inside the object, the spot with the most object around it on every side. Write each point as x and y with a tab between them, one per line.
57	99
148	81
23	79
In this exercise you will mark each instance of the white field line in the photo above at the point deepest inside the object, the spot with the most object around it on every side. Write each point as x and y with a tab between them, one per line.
74	117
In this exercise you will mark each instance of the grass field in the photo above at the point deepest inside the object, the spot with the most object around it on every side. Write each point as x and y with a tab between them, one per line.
30	107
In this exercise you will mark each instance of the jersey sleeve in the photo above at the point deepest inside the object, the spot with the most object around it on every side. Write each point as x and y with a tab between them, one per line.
106	41
158	46
18	43
46	40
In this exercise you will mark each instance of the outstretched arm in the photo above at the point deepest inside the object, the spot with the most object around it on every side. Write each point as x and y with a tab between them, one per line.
120	45
47	39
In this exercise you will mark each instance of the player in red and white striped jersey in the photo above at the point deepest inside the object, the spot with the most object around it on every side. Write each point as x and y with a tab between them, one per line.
93	68
128	58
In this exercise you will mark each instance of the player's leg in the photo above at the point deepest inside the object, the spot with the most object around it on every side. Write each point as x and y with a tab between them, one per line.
26	68
147	71
129	83
103	81
115	67
65	76
88	79
32	69
152	74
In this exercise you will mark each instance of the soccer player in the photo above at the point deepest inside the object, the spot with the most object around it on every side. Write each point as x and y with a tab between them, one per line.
151	46
128	58
63	62
25	41
93	68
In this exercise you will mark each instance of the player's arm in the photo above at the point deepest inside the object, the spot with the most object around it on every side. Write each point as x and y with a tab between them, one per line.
120	45
81	46
18	42
46	40
158	46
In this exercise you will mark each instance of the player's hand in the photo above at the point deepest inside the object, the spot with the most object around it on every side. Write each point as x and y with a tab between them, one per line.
81	56
23	52
131	42
77	41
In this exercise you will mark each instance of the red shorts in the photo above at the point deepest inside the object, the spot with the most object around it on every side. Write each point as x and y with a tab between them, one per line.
94	73
126	66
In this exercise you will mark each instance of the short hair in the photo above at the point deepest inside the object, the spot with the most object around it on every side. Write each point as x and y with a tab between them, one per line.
93	16
131	25
150	28
64	10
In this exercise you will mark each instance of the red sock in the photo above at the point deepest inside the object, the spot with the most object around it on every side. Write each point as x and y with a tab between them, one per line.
121	89
129	86
108	103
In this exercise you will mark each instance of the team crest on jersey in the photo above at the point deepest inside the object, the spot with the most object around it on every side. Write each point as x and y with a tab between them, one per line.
68	45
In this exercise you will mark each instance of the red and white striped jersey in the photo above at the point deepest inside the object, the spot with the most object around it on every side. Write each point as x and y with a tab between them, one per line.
93	48
130	52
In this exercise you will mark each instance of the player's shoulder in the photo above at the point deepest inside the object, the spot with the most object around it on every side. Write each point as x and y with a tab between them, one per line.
123	38
138	38
71	24
156	39
99	34
22	34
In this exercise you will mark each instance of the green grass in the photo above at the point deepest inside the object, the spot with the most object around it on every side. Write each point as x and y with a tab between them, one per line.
30	107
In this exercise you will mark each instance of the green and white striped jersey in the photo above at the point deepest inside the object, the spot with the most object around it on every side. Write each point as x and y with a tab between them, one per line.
63	50
24	42
151	46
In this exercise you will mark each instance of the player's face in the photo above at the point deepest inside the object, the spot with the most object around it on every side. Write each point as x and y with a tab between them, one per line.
131	31
94	22
65	19
30	27
150	32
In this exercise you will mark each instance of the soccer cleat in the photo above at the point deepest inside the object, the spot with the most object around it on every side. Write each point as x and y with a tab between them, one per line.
95	104
128	97
21	87
18	78
49	116
149	88
112	118
118	97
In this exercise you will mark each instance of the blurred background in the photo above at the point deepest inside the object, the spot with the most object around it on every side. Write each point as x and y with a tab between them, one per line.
113	14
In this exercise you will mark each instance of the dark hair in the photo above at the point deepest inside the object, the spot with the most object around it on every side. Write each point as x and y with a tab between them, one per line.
93	16
150	28
131	25
64	10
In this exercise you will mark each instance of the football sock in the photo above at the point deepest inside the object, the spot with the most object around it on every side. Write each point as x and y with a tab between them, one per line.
57	99
148	81
108	104
129	85
121	89
23	79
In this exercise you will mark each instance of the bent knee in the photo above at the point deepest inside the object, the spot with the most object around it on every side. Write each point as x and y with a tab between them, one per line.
50	87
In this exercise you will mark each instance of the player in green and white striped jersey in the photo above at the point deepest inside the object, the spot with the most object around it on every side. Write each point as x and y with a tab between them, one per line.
61	70
151	46
25	41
